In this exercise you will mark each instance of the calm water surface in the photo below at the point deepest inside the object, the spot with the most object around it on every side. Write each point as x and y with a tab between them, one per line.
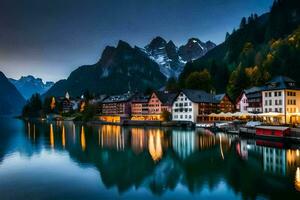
72	161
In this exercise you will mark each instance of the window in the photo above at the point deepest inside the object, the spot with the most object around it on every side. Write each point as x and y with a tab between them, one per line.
190	103
185	116
275	94
185	104
280	110
266	102
190	110
266	110
190	116
270	109
270	102
276	100
279	93
181	116
280	102
266	94
270	94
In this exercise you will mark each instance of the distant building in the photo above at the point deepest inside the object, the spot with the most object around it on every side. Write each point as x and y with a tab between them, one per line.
224	103
67	105
193	105
116	108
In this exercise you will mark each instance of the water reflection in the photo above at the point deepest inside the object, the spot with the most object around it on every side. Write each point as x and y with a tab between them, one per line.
163	160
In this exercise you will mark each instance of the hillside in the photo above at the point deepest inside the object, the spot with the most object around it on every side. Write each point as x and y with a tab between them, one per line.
11	101
119	69
262	47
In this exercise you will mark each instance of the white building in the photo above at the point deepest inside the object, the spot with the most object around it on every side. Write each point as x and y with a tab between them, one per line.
186	105
242	103
282	96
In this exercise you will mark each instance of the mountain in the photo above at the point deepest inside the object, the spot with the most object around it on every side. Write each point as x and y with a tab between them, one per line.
11	101
262	47
29	85
172	59
119	69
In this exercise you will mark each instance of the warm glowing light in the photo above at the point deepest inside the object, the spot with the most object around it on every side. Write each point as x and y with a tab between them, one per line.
221	149
52	104
82	139
297	179
112	137
155	145
63	136
138	140
82	106
51	136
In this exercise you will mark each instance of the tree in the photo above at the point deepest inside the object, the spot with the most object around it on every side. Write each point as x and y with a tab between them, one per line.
237	82
199	81
33	107
227	36
243	23
172	85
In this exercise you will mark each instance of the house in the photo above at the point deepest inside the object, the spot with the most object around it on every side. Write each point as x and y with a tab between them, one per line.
139	105
193	105
242	103
254	98
67	104
116	108
224	103
161	101
281	95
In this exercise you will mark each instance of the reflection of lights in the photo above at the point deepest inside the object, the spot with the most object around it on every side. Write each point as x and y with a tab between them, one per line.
222	154
297	179
63	136
112	137
297	152
155	145
82	139
33	132
51	136
138	140
74	133
28	127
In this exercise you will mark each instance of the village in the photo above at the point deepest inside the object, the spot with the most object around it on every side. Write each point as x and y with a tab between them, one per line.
276	103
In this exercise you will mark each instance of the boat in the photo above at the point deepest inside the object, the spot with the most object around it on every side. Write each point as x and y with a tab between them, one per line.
272	131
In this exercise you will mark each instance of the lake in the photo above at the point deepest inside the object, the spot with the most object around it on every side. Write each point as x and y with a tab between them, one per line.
41	160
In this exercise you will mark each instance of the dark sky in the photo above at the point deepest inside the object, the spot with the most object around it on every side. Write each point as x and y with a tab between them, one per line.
51	38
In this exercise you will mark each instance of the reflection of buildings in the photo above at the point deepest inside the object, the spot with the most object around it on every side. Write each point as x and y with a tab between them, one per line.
82	139
139	140
184	143
155	144
274	160
112	137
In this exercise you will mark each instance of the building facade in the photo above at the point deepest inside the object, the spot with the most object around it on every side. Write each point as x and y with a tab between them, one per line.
193	105
161	101
254	97
282	96
224	103
242	103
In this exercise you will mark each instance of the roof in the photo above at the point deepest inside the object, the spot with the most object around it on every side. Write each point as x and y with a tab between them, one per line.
280	83
140	98
118	98
219	97
165	97
254	92
199	96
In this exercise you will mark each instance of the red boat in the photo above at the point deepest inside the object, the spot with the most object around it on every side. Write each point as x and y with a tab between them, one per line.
273	131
